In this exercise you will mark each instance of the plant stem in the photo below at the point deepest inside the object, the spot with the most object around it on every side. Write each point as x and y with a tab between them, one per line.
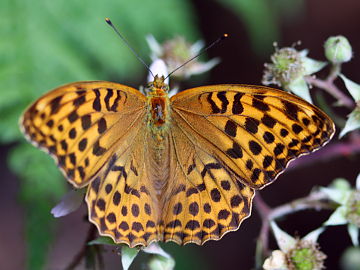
313	201
329	86
81	254
331	151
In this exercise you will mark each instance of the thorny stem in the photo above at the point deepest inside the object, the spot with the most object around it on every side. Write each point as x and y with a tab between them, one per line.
313	201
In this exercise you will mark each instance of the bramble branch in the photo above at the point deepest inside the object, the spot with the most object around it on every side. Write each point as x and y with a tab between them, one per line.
316	201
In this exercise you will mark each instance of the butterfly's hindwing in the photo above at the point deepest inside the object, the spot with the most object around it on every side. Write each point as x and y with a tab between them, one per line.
206	199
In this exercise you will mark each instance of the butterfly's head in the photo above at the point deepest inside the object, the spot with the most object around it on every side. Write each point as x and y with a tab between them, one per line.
158	84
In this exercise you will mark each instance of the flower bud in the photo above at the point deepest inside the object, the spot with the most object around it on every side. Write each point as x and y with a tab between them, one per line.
338	49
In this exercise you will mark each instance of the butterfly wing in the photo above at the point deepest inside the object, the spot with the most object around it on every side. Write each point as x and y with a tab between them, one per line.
229	140
256	131
96	132
81	124
204	199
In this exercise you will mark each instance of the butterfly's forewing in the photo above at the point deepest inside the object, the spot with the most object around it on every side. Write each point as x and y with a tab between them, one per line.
255	131
229	140
79	124
95	131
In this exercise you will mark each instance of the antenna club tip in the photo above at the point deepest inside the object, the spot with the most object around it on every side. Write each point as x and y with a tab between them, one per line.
108	21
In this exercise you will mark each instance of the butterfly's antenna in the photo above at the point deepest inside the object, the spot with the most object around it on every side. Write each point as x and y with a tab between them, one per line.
128	45
200	53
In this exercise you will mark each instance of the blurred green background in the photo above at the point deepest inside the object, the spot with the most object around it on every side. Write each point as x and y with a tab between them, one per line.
45	44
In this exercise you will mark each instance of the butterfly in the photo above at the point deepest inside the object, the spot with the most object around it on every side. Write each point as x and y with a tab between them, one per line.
182	169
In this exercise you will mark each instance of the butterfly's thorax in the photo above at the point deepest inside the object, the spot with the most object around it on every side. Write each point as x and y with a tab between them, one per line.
158	109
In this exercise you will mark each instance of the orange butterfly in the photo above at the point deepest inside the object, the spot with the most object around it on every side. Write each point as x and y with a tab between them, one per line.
180	169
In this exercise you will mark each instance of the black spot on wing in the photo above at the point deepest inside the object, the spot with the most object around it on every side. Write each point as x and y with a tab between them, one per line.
97	102
109	94
224	101
251	125
55	105
237	107
230	128
208	167
235	151
79	101
214	107
268	121
86	121
259	104
291	109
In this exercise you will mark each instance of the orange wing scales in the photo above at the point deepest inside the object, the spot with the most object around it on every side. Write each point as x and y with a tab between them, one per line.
121	208
76	123
255	135
181	170
207	200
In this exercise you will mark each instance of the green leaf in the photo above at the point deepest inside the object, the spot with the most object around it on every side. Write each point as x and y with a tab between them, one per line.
127	256
353	231
314	235
156	249
352	123
312	66
300	88
338	217
41	186
39	225
38	172
103	240
352	87
339	191
284	240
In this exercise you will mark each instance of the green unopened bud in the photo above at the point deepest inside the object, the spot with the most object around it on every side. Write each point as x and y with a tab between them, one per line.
353	208
306	256
338	49
286	67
